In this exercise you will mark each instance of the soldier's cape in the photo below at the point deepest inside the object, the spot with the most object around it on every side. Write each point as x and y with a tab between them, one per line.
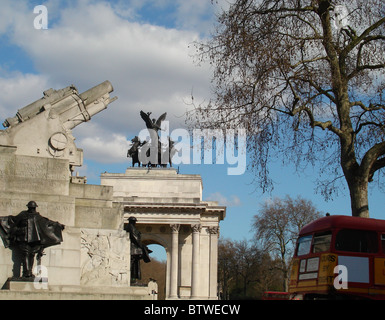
41	230
137	247
5	229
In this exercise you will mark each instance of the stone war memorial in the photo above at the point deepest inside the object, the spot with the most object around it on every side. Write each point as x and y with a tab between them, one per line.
65	239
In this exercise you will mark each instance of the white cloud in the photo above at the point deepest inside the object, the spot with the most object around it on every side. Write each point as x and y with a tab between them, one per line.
195	15
17	90
232	201
11	13
106	149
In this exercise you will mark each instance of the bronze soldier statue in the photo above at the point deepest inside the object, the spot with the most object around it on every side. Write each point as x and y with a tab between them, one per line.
138	250
30	233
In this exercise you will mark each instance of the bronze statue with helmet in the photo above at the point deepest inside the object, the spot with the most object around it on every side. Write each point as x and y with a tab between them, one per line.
30	233
139	251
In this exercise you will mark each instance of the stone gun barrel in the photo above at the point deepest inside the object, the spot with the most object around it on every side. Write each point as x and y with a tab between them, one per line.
87	105
36	107
67	104
96	92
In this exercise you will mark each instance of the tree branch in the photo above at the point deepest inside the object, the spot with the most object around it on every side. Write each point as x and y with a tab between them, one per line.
379	164
372	107
369	123
362	37
293	66
370	162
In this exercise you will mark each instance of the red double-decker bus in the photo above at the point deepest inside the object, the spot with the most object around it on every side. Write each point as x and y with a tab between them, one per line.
355	245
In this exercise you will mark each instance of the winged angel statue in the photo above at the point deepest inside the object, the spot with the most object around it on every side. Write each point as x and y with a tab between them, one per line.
154	126
153	123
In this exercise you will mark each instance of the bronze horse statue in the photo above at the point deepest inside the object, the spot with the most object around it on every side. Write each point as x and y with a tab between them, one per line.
133	152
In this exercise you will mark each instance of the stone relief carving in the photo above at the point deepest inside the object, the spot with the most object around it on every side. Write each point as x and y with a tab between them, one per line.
105	257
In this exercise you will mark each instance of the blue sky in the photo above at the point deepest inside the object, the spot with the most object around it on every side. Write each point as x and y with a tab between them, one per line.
144	47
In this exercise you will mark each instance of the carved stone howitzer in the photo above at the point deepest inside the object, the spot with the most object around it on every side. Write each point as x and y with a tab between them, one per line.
43	128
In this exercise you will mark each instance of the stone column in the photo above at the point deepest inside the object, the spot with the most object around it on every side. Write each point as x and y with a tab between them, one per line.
174	261
214	234
196	228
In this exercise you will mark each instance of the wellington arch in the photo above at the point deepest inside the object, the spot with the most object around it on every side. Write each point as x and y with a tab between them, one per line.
170	212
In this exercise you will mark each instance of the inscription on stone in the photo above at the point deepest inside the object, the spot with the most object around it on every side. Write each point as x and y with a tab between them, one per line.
31	167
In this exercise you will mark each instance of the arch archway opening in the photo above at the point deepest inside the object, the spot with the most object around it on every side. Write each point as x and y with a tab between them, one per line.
158	252
157	268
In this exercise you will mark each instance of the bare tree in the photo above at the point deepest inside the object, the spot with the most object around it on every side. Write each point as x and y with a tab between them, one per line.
244	271
278	224
226	262
248	260
306	79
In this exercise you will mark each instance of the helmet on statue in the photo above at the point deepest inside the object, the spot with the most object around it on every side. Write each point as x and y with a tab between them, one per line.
132	219
32	204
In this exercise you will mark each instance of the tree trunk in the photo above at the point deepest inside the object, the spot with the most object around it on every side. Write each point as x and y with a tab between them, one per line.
359	196
285	283
285	274
356	175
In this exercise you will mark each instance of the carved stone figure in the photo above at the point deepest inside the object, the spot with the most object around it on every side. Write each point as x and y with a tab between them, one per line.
138	250
30	234
104	257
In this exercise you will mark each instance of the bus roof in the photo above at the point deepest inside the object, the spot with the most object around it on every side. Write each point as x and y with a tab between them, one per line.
349	222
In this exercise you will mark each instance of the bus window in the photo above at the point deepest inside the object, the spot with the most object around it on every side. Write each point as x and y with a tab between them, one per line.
304	244
383	243
322	242
356	241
